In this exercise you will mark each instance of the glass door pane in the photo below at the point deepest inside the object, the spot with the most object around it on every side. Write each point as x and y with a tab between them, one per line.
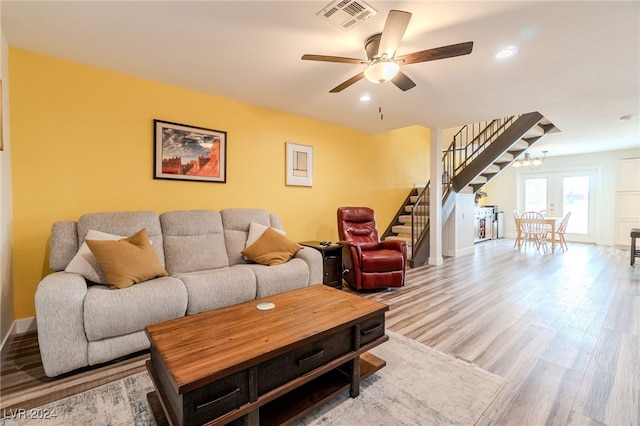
561	192
535	194
575	199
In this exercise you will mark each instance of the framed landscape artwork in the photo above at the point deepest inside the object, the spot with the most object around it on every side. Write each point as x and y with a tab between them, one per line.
186	152
299	160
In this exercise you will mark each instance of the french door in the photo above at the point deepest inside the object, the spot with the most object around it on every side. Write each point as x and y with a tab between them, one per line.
558	193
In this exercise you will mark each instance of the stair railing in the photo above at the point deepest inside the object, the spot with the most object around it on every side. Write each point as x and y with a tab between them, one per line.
472	139
467	144
420	222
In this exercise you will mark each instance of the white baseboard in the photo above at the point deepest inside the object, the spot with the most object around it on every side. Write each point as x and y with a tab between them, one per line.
25	325
461	252
17	327
6	341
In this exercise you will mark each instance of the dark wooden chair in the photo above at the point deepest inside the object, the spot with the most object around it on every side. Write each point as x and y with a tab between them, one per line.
635	233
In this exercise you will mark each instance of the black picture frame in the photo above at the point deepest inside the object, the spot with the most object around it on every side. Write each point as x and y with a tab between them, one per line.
185	152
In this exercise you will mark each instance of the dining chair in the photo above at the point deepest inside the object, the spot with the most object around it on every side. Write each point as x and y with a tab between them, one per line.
516	218
544	214
534	232
562	229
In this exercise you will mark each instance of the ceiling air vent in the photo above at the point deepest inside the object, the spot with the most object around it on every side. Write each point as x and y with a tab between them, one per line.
347	13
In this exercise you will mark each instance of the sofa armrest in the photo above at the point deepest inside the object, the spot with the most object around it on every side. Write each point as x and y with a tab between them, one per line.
313	259
59	315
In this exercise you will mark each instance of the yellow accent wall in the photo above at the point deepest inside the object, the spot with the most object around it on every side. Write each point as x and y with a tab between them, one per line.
82	141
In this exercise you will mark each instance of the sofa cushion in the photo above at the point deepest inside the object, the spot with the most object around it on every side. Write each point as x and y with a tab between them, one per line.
104	350
193	241
236	224
272	280
382	260
272	248
85	263
127	261
218	288
124	223
109	313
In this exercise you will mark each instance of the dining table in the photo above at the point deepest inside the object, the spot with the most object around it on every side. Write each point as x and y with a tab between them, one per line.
551	221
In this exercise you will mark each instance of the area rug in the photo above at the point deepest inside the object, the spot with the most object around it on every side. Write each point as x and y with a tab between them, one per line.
419	386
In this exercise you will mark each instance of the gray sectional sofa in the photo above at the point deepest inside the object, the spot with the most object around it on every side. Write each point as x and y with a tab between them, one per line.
81	323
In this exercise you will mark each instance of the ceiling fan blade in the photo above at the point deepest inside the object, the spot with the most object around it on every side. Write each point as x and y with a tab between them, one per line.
394	29
403	82
325	58
437	53
342	86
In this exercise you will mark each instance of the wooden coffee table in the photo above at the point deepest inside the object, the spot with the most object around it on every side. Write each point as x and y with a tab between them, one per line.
241	365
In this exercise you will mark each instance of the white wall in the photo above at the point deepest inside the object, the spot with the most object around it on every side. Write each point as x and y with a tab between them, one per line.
6	206
503	190
457	235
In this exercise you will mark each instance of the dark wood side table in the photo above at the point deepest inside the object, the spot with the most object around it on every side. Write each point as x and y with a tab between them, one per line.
331	262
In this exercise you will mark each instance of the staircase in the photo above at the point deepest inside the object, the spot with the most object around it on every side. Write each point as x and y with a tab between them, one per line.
477	154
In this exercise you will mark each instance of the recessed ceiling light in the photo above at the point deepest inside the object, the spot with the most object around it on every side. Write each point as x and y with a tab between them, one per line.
507	52
365	98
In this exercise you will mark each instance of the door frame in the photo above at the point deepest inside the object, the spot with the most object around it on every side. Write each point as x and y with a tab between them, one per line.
593	235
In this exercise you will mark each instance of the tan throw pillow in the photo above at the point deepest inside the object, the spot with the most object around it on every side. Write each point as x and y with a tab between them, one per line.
128	261
255	231
272	248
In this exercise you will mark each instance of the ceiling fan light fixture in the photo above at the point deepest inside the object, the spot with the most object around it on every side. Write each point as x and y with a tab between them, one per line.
381	71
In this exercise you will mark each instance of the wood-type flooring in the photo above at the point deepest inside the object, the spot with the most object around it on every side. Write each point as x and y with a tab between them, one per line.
562	328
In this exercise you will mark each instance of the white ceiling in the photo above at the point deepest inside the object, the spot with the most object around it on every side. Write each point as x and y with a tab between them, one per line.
578	62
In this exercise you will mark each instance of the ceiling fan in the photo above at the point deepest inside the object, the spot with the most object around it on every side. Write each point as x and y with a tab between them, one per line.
382	63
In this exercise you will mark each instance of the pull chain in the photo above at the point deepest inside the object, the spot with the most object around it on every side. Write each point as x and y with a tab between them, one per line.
381	103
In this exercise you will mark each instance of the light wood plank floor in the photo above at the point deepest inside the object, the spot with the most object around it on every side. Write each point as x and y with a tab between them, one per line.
562	328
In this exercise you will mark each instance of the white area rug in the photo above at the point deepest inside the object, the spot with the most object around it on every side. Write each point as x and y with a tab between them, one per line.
419	386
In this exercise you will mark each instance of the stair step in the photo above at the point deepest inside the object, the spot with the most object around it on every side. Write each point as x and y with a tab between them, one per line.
414	198
424	210
479	180
534	132
404	218
505	158
492	169
401	229
519	146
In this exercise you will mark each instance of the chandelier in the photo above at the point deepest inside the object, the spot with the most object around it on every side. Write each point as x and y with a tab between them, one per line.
532	163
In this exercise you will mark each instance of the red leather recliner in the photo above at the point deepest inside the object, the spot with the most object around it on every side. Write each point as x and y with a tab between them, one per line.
369	263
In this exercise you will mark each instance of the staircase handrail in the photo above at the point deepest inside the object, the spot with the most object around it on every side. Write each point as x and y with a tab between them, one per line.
419	222
482	135
461	151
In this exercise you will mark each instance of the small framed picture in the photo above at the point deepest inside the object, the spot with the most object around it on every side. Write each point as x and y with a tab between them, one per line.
299	161
184	152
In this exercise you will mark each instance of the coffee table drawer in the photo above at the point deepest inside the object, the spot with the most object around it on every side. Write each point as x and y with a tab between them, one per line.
284	368
216	399
371	329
